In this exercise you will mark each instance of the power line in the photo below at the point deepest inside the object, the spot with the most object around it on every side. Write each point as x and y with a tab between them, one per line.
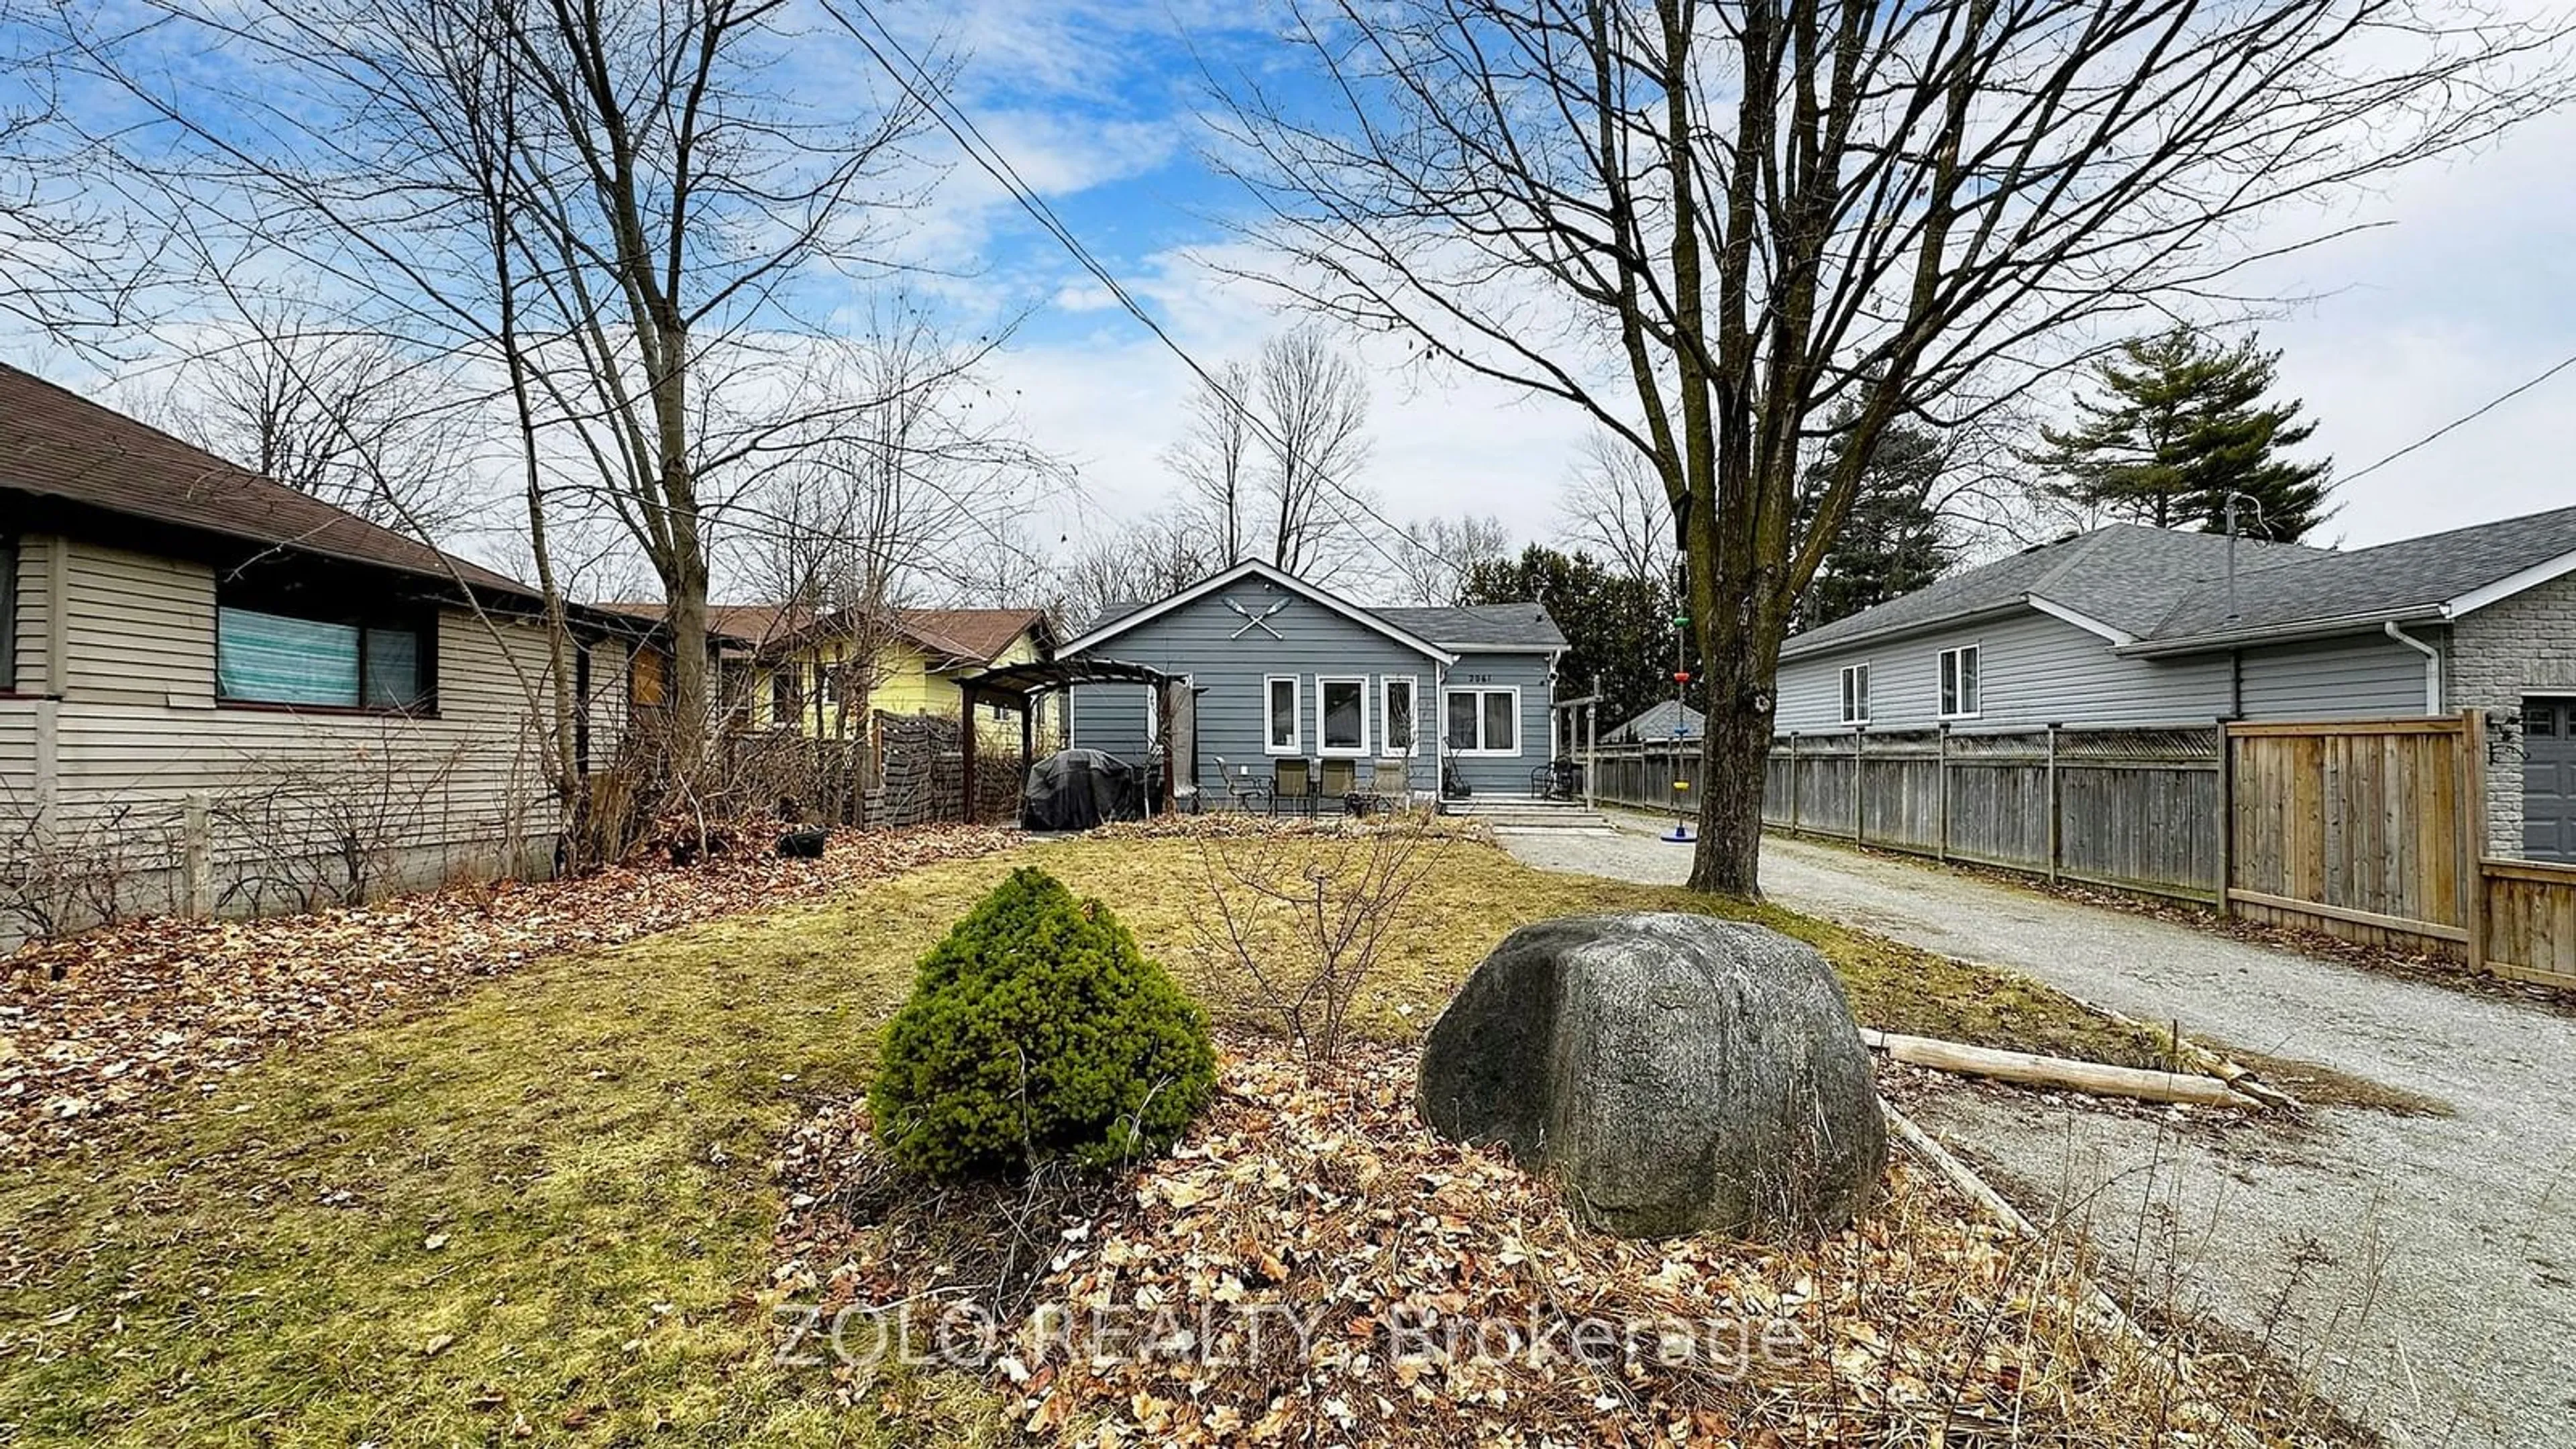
989	157
2463	420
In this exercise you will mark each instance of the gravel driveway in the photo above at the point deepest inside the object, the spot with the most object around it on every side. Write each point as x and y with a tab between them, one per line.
2423	1269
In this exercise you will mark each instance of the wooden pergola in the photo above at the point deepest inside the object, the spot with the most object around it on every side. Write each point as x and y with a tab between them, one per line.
1017	687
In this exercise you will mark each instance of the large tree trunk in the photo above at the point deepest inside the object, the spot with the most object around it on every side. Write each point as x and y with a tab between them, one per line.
1733	751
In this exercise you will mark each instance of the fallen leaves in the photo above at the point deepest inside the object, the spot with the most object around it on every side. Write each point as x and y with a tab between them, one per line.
135	1020
1422	1292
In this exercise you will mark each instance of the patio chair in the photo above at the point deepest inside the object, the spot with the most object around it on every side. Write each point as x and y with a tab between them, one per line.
1291	782
1242	787
1393	782
1340	781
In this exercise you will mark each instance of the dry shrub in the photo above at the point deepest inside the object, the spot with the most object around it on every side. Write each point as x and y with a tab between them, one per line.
1298	917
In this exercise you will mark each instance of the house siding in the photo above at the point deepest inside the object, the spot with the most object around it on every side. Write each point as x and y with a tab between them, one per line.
2036	669
138	745
1230	663
2366	674
2521	645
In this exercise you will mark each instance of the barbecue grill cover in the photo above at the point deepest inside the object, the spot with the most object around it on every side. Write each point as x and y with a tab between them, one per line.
1078	789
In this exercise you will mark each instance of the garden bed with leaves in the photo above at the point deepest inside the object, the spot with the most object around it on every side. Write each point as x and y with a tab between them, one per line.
1312	1266
137	1019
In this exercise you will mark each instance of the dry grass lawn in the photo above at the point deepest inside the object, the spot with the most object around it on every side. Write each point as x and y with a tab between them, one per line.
544	1211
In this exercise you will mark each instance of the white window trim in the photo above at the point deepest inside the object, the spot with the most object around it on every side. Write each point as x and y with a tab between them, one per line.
1413	698
1296	715
1520	730
1943	686
1342	752
1847	696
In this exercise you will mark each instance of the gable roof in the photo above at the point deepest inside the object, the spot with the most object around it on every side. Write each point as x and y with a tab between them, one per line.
2160	591
2118	580
1461	628
2440	575
56	444
976	634
1114	621
1656	721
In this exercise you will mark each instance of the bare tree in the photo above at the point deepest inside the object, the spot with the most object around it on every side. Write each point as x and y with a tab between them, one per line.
347	417
1713	226
1614	508
1158	555
75	269
1214	457
1315	406
617	210
1432	570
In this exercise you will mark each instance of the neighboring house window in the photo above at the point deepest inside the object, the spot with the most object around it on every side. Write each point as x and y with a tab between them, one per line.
648	679
1341	716
1484	721
1395	713
787	694
1282	705
268	658
1855	694
1959	696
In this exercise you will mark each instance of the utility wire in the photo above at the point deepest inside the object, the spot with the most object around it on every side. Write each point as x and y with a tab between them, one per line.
980	149
2462	421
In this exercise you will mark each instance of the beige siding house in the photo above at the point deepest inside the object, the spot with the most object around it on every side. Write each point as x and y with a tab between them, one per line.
221	696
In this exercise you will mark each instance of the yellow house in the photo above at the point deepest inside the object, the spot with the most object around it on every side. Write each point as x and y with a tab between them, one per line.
792	670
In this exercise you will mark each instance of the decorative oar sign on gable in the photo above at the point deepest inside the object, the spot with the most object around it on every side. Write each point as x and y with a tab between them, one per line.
1252	621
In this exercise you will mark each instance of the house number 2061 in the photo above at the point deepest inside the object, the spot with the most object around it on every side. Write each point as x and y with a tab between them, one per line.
1475	679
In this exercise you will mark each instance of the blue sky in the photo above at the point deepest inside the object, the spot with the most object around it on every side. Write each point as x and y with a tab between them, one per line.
2465	288
2468	289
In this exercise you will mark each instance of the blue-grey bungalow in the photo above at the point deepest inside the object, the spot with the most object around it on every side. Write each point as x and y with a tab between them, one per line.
1290	685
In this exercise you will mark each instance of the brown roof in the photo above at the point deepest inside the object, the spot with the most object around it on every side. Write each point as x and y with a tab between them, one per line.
56	444
977	634
960	635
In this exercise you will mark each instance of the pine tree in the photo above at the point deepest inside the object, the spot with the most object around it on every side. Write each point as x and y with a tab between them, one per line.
1891	544
2181	424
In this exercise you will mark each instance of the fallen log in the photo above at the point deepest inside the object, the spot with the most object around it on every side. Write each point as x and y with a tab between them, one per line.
2059	1072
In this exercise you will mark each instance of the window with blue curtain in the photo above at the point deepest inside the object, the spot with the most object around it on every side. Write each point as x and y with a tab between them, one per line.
265	658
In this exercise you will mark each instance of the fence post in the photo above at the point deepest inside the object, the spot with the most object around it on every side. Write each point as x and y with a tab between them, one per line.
2473	835
1941	769
1860	819
2226	820
2053	812
196	858
1793	780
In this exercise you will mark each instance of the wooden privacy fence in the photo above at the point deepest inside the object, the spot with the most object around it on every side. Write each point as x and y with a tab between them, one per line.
2132	808
2366	829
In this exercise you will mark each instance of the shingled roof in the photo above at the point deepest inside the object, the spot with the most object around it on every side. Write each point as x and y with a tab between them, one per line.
55	444
2125	575
1465	626
2166	591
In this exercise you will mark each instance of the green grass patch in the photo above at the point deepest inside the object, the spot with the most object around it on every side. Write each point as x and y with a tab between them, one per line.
548	1204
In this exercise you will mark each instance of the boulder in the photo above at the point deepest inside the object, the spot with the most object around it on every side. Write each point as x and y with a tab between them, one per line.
1677	1074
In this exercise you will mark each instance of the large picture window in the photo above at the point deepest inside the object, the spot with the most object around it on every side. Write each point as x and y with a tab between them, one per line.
1341	716
1484	721
269	658
1280	702
1960	698
1395	714
1855	694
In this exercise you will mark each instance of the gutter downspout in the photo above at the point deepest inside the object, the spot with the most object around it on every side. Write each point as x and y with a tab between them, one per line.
2432	665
